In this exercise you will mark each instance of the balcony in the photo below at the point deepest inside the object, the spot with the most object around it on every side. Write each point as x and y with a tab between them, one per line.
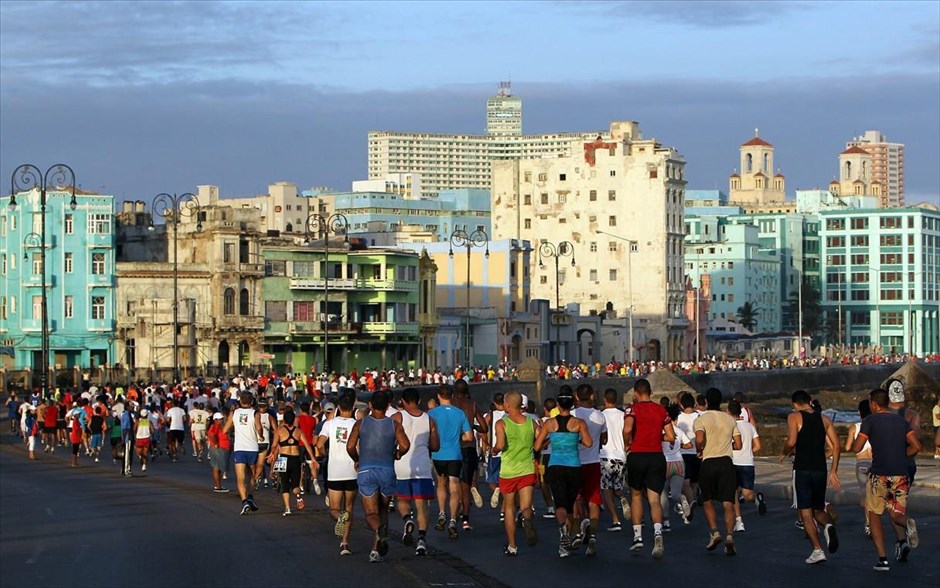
354	284
127	321
317	327
236	322
100	280
244	269
35	281
33	242
97	241
390	328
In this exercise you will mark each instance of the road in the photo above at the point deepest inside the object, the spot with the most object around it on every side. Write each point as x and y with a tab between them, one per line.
90	527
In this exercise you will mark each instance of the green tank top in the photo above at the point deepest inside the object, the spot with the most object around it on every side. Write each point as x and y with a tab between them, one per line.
517	458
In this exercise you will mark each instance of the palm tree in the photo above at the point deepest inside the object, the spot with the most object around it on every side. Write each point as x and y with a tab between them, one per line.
813	321
747	315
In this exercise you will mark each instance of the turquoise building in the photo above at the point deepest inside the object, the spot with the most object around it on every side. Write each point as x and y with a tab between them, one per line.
79	283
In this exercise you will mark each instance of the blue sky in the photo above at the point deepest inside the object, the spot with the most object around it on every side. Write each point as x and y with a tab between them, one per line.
147	97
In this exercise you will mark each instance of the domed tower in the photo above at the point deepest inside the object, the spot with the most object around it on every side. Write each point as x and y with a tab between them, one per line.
855	173
755	184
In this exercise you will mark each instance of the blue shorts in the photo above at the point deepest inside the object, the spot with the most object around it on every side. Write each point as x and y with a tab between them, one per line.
492	470
415	489
96	440
745	477
245	457
377	479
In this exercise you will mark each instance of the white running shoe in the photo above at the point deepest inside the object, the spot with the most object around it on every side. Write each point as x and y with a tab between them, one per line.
738	526
818	556
494	499
477	499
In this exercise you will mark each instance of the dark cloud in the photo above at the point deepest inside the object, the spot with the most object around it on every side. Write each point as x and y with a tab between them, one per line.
142	140
700	14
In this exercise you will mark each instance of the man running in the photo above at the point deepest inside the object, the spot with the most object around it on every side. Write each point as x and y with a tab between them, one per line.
892	441
268	424
469	451
199	421
341	484
515	439
646	424
414	470
716	437
452	428
246	424
220	447
613	460
493	459
743	460
808	433
589	499
176	417
374	444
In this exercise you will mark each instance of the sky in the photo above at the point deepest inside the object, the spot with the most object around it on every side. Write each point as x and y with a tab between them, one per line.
147	97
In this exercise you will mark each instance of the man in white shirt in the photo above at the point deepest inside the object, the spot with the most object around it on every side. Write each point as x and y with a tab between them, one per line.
590	467
199	421
341	475
613	458
686	423
176	417
743	460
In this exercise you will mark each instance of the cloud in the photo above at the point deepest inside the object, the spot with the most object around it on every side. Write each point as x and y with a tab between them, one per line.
706	14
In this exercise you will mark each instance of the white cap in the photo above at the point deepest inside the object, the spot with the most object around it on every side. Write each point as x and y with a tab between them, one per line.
144	412
217	416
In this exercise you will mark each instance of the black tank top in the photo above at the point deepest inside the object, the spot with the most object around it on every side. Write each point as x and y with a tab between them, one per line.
563	423
811	443
291	441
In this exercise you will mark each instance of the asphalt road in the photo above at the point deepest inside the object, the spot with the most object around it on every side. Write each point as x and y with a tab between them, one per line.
90	527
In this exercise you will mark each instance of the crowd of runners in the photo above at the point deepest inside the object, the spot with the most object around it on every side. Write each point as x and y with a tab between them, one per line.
584	452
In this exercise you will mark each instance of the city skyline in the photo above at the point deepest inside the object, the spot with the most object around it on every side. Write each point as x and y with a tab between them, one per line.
163	97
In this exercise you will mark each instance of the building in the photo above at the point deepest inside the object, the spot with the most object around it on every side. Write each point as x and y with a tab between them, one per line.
855	176
79	284
887	166
881	278
464	161
620	203
283	208
337	305
756	183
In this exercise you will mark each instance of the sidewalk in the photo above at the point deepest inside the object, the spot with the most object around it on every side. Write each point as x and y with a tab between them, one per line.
774	480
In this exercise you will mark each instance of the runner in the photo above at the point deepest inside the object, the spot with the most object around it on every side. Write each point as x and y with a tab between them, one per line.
285	458
862	459
686	423
414	470
613	461
245	422
589	499
269	423
176	418
469	451
743	460
374	444
341	484
893	441
220	448
97	428
716	437
198	424
143	429
808	433
515	436
76	433
675	469
549	411
49	413
452	428
646	425
565	432
493	459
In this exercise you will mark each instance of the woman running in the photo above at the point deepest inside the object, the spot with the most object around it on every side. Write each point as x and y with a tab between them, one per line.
285	458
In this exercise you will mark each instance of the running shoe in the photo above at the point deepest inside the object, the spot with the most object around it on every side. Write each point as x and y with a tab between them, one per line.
494	499
739	526
550	513
867	531
287	512
441	522
761	505
194	454
882	566
913	539
143	467
316	487
615	528
477	499
300	503
714	540
799	525
576	542
339	529
502	516
465	524
901	551
422	548
685	509
510	551
266	484
816	557
667	526
407	536
374	557
729	546
625	506
591	546
658	547
245	508
344	549
832	538
531	536
452	529
251	503
585	527
637	544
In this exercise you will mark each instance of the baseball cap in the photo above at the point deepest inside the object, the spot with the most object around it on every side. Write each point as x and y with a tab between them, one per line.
217	416
144	412
896	391
329	407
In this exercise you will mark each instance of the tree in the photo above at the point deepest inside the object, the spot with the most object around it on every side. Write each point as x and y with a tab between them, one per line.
812	309
747	315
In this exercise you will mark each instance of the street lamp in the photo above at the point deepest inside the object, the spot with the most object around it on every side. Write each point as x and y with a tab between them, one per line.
322	226
460	238
631	244
173	206
562	249
25	178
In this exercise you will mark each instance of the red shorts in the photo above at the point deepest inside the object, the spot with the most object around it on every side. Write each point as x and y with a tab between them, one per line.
142	443
591	482
510	485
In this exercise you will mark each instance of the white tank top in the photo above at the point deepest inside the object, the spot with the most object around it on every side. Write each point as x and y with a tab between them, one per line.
417	462
497	415
143	429
266	427
246	438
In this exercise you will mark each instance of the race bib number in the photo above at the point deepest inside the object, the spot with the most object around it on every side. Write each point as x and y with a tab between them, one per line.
280	465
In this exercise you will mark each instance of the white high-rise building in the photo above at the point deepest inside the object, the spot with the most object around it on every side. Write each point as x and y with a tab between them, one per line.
887	166
619	203
447	162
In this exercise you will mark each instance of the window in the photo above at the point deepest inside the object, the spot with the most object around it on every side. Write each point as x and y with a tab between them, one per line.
97	308
304	311
859	223
3	226
3	307
228	306
592	195
69	224
890	222
835	241
836	260
543	177
68	262
302	269
228	252
562	177
730	297
543	279
3	263
528	176
528	223
612	221
891	240
97	263
860	259
613	275
593	246
562	197
613	173
69	307
892	318
527	199
275	268
243	302
37	263
835	224
544	197
860	318
860	295
611	195
593	275
612	247
859	241
99	224
37	307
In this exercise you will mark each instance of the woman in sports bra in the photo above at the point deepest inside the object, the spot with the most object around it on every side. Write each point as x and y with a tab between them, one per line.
285	458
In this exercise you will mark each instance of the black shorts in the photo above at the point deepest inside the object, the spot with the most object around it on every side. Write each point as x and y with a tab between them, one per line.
810	488
693	465
470	460
450	468
60	425
175	436
291	478
646	471
565	482
718	479
342	485
48	430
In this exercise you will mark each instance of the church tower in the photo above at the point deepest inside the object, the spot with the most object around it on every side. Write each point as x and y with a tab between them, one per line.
757	183
855	174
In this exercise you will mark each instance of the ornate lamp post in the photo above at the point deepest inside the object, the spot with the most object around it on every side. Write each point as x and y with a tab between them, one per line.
25	178
461	238
562	249
317	224
172	207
